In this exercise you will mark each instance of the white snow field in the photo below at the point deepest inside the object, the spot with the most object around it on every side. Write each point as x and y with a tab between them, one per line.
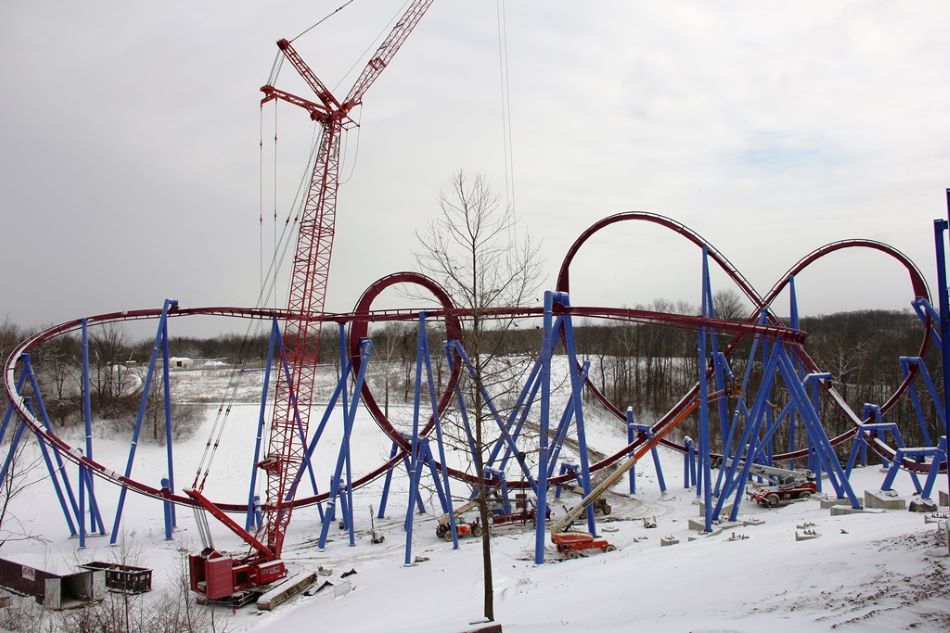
872	571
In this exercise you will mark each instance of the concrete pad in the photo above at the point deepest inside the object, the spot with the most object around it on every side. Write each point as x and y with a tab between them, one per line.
841	510
696	525
884	499
923	506
726	508
668	540
830	502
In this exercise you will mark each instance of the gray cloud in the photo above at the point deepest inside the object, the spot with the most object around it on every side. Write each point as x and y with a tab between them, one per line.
130	165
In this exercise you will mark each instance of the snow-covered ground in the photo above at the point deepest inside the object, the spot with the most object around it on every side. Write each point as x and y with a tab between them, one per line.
874	571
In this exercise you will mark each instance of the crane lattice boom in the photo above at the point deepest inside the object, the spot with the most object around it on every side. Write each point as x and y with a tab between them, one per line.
301	336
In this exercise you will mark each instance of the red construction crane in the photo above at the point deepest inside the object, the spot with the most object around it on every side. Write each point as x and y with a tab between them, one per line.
212	573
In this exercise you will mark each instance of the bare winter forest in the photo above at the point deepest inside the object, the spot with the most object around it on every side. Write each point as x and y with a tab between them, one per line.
641	365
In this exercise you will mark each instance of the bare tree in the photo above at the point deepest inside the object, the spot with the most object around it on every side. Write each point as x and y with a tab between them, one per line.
19	478
472	249
729	306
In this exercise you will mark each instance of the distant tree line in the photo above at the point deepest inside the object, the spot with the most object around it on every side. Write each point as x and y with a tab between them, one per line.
634	364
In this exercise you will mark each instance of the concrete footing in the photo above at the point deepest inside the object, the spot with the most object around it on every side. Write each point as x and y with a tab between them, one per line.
726	508
842	510
943	499
884	499
830	502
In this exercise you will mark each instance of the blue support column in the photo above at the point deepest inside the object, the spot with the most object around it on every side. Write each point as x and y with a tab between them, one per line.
53	472
445	490
250	519
578	379
167	403
940	227
938	459
733	482
689	464
17	434
41	413
168	511
384	497
346	495
634	429
547	350
95	518
6	422
82	507
632	433
507	438
704	439
825	451
143	403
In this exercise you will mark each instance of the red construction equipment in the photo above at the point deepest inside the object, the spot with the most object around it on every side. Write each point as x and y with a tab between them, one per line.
571	544
311	268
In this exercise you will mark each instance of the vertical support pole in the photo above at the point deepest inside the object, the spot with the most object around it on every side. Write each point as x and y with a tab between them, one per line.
384	497
415	463
44	418
445	492
578	378
631	436
11	451
95	518
143	403
169	431
53	473
940	226
346	496
704	440
687	463
87	424
82	507
344	367
167	507
3	429
795	322
249	521
547	349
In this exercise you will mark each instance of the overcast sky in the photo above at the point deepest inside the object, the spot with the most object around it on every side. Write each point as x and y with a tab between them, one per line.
129	159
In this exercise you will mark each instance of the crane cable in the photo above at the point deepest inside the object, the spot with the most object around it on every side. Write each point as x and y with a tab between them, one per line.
322	20
280	248
500	10
265	294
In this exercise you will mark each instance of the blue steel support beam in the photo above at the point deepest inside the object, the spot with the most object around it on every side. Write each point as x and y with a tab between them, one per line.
167	404
250	520
578	379
53	473
416	454
940	227
140	417
547	350
44	418
349	416
95	518
444	490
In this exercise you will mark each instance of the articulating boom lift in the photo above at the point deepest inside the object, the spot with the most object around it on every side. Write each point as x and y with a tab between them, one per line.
214	574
